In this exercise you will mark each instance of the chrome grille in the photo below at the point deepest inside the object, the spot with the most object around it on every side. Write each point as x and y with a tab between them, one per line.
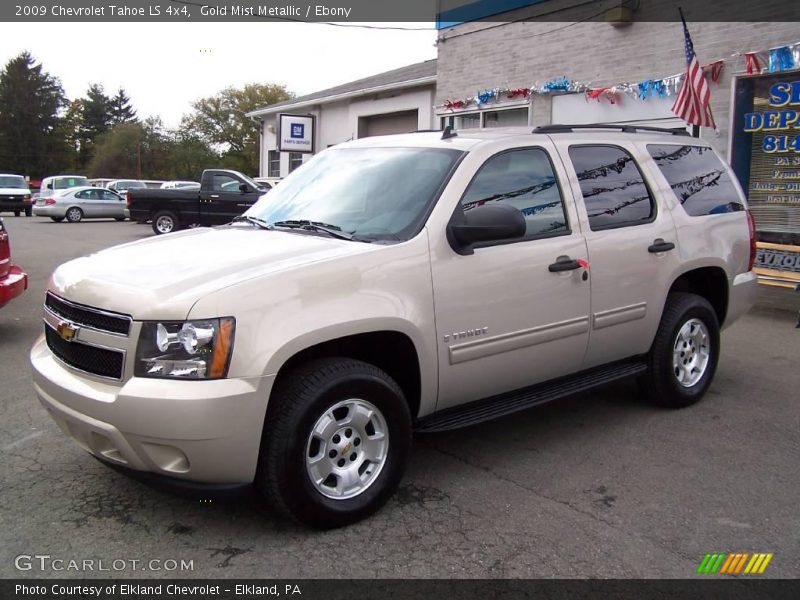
91	359
89	317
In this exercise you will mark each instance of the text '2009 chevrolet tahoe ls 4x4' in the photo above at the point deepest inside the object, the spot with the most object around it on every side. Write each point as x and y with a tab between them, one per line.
424	281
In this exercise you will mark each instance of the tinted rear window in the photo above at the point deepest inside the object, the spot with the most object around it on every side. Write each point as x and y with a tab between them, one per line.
614	192
698	178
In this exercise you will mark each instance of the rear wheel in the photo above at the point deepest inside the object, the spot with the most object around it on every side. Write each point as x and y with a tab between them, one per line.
57	219
165	222
74	214
684	356
336	442
16	213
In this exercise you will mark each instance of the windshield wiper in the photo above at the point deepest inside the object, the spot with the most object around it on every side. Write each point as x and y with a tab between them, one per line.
252	220
332	230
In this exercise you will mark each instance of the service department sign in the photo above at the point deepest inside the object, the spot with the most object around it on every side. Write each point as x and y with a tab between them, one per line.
296	133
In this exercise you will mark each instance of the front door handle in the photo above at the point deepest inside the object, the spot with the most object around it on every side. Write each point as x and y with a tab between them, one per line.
659	245
564	263
215	195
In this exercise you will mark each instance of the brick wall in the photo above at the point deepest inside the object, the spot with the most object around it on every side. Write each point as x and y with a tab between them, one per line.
520	54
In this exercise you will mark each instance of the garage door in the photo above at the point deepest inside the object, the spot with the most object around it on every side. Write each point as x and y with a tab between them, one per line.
387	124
575	109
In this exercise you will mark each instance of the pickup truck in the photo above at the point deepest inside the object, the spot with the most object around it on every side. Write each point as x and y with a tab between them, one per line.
223	195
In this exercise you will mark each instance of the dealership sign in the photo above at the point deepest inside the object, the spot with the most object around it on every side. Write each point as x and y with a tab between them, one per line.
295	133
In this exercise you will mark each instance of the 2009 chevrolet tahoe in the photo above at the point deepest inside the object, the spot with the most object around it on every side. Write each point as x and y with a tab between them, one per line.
415	282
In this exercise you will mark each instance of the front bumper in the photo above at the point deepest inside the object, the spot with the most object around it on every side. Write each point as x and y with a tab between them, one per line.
13	284
202	431
743	295
15	205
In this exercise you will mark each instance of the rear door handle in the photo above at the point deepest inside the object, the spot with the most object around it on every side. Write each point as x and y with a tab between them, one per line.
215	195
660	245
564	263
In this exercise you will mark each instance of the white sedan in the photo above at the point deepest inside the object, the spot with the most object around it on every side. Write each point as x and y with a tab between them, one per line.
85	202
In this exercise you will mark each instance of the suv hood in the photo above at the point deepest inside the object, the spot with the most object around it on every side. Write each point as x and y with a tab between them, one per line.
161	278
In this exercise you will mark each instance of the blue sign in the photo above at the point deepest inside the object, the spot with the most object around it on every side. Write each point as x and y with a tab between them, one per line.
297	131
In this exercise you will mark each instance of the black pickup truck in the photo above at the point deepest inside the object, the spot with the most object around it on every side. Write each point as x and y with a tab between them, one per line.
223	195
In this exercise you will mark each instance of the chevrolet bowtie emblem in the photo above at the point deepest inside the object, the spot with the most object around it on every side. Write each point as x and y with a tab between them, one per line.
68	331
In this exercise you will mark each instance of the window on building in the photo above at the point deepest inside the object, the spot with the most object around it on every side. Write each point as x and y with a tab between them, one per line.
612	185
523	179
698	178
273	163
514	117
295	160
509	117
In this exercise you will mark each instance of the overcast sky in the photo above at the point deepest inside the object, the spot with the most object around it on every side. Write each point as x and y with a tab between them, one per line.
164	67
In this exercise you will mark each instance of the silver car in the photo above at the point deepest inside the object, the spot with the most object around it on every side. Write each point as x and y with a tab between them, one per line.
85	202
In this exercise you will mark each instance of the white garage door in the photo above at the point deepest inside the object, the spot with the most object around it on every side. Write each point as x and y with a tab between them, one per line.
387	124
575	109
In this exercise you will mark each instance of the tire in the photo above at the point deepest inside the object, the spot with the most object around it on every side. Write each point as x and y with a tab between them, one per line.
685	352
57	219
165	221
28	212
16	213
74	214
345	389
119	218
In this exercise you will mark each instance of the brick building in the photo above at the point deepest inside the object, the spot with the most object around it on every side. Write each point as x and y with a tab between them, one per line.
485	65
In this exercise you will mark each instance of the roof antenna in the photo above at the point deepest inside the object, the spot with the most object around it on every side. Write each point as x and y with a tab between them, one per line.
448	133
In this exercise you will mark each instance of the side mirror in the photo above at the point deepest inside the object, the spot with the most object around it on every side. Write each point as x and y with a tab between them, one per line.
487	223
49	186
244	188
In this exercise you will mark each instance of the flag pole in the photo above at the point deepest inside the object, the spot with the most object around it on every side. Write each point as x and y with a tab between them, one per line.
710	112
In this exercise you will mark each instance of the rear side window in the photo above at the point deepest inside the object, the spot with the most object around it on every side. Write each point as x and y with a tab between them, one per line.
698	178
612	186
524	179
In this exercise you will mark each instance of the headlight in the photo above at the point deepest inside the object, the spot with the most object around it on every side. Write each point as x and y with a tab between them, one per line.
185	350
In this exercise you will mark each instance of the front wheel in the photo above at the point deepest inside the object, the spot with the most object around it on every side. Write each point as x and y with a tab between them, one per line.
336	442
28	212
164	222
74	214
684	355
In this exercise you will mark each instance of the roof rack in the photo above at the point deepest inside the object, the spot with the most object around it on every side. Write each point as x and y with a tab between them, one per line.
622	128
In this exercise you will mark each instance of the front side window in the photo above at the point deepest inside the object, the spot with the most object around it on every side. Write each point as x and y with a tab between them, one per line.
613	189
224	183
698	178
524	179
380	193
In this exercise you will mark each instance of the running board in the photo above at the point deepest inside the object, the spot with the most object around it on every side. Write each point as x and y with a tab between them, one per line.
511	402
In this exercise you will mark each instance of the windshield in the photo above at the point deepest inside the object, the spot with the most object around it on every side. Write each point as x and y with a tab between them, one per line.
382	193
62	183
13	181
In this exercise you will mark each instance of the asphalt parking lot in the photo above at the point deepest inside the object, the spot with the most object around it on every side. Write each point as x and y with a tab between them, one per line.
600	485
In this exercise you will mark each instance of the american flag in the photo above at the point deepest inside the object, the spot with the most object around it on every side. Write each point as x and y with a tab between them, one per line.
693	103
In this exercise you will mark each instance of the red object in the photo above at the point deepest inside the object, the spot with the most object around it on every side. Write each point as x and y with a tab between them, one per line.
451	104
752	63
13	280
693	103
524	92
128	198
714	70
583	263
49	201
751	226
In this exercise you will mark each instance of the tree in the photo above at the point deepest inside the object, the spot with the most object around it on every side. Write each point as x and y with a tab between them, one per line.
31	136
95	121
220	121
121	110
